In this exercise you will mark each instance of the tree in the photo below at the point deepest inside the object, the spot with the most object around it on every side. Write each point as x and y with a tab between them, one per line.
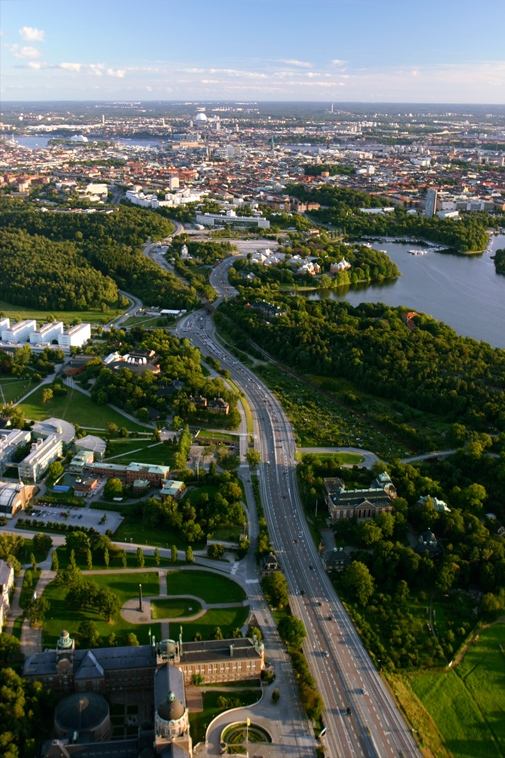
140	558
174	555
47	395
42	543
253	457
197	679
88	634
106	557
124	559
131	640
77	542
359	582
275	696
55	470
89	560
402	592
255	631
157	558
276	590
215	550
113	488
123	432
217	634
107	603
112	429
292	630
237	633
36	611
33	561
10	651
112	640
189	554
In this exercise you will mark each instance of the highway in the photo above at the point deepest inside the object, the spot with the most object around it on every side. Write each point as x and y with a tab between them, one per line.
345	674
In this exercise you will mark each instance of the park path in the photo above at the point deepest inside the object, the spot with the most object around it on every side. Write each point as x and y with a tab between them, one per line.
31	638
15	610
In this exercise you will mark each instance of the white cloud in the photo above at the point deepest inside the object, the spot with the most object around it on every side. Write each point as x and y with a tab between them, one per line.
76	67
35	65
31	34
118	72
303	64
25	52
96	68
337	62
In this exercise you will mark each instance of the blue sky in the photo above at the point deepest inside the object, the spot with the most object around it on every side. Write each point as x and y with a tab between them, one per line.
322	50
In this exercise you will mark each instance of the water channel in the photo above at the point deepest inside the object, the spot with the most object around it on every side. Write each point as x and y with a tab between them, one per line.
463	291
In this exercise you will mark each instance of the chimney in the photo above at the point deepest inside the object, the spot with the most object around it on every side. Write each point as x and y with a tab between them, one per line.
231	651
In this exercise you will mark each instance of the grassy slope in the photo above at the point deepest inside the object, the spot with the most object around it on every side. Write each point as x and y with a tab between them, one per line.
93	315
210	587
77	409
468	704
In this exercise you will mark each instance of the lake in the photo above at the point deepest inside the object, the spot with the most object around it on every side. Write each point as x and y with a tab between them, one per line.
41	141
463	291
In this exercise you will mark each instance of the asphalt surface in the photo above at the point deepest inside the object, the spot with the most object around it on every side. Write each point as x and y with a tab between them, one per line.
345	673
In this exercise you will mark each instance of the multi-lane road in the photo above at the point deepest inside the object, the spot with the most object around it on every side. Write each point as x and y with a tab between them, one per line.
360	714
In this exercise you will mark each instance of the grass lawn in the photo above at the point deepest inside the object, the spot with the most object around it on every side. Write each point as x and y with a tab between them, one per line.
227	619
157	454
227	533
343	459
75	408
173	609
10	390
211	435
93	315
133	529
60	616
210	587
198	722
24	556
457	715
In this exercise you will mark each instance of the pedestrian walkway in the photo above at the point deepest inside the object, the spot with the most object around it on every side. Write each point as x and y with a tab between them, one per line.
15	610
31	638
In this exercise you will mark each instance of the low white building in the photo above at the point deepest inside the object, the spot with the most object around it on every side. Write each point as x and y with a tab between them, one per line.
6	583
4	323
342	265
231	218
47	333
76	336
9	443
42	454
19	332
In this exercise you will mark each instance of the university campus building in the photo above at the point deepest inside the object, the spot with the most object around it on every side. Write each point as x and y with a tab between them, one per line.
360	504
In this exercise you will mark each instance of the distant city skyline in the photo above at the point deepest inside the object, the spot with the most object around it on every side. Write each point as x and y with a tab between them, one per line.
320	50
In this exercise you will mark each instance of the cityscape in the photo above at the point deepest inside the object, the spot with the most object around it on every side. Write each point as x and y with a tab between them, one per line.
252	381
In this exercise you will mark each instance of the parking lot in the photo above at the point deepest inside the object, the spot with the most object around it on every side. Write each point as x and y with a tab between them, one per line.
73	515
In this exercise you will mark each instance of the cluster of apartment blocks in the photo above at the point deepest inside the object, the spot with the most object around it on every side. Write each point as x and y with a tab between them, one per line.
26	332
48	439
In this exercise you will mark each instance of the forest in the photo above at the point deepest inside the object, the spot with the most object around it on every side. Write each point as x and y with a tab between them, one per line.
110	243
388	583
499	262
39	273
424	363
340	208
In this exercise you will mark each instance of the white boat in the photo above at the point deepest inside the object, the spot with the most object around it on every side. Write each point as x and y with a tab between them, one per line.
418	252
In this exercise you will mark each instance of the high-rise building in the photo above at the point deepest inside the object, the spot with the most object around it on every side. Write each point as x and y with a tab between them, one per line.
431	203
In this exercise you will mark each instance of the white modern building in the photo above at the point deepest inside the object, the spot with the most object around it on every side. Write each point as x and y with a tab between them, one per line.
9	443
19	332
231	218
47	333
76	336
6	584
42	454
4	323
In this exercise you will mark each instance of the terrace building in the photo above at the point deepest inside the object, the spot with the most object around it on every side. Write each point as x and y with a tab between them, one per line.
361	504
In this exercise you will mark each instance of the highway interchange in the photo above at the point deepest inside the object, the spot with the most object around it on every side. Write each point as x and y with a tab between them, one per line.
345	674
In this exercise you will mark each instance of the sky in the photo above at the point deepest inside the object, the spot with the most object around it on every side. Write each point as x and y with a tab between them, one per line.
427	51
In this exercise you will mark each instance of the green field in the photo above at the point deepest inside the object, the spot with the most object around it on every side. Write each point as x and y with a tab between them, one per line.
93	315
133	529
210	587
227	619
174	608
12	390
115	560
143	452
468	703
77	409
343	459
61	616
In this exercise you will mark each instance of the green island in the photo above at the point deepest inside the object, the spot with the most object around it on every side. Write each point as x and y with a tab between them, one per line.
499	261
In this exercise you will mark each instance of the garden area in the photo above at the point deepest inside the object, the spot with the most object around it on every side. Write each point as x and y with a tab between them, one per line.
214	703
207	585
